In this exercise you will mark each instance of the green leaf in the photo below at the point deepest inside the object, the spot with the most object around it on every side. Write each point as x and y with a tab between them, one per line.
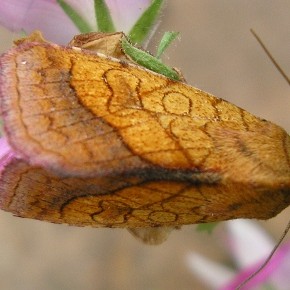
209	227
78	21
143	26
148	61
269	287
103	17
167	38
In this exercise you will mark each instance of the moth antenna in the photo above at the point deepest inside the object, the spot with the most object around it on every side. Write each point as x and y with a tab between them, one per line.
268	258
271	57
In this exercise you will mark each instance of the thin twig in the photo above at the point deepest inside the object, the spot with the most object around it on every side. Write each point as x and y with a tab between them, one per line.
288	225
271	57
268	258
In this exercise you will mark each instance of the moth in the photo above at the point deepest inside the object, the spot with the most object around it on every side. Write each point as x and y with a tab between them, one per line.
100	141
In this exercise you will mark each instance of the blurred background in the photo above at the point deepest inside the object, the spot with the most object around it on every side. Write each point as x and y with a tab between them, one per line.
216	53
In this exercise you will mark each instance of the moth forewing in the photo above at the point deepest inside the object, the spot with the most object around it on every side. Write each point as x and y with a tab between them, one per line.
107	143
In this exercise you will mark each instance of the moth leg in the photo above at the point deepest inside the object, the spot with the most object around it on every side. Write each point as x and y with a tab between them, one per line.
151	236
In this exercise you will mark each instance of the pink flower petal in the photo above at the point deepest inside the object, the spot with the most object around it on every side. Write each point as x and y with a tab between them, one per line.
6	153
213	275
281	275
45	15
274	269
247	242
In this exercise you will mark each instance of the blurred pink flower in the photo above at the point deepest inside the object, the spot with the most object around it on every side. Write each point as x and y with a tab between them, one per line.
249	246
6	153
47	16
